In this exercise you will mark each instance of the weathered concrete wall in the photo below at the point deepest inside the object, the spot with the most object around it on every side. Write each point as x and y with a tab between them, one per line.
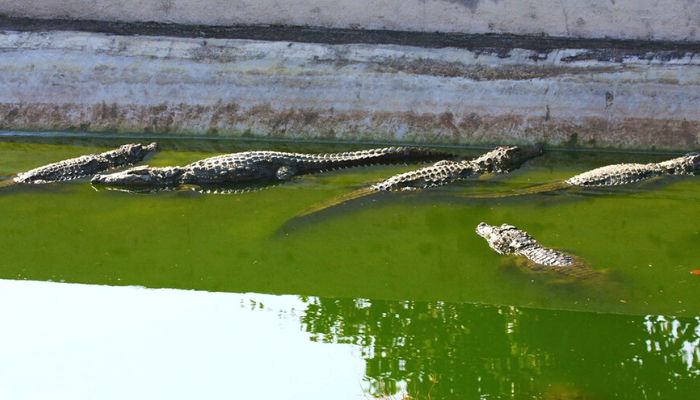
640	19
97	82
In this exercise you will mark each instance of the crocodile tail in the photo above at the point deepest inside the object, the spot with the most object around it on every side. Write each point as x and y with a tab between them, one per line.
336	201
544	188
7	182
427	153
386	155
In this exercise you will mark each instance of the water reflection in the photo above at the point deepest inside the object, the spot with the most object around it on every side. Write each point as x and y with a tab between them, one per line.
67	341
447	350
670	339
64	340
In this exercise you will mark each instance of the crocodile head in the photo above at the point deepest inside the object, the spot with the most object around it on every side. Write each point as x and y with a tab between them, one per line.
131	153
504	239
492	235
686	164
141	177
695	157
506	158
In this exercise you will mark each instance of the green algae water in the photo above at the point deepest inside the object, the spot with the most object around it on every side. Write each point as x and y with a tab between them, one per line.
399	284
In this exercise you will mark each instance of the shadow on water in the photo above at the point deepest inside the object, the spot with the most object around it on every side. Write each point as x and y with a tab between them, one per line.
447	350
9	187
475	193
190	190
341	209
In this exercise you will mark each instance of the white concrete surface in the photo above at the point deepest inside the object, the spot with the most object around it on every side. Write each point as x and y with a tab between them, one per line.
640	19
96	82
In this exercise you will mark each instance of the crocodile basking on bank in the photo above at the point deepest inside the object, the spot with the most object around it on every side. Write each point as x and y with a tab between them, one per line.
257	166
86	165
617	175
497	161
509	240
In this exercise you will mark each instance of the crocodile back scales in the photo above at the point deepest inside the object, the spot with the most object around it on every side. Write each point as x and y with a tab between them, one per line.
257	165
86	165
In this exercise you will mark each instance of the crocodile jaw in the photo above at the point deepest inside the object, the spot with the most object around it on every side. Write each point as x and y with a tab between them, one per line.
490	233
505	239
131	153
139	177
484	230
506	158
695	157
149	149
139	149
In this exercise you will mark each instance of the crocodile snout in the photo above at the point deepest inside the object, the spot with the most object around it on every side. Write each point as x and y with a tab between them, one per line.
696	160
143	151
484	230
136	176
141	176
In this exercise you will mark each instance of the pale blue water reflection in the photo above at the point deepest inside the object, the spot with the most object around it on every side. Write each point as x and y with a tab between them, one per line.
67	341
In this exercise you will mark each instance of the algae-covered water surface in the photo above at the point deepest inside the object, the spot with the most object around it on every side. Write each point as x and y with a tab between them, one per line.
395	294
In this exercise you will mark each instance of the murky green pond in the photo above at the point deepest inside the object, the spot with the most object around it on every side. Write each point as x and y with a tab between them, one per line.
392	295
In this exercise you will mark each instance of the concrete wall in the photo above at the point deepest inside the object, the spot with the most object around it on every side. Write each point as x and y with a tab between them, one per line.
640	19
97	82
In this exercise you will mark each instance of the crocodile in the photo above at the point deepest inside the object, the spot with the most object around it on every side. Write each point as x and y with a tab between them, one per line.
624	174
616	175
257	166
497	161
86	165
509	240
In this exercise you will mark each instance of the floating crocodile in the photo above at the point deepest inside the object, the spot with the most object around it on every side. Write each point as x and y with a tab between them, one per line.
509	240
623	174
617	175
257	166
497	161
86	165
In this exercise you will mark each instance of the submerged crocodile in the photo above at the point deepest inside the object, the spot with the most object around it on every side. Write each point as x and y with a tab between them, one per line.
86	165
497	161
509	240
257	166
619	174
